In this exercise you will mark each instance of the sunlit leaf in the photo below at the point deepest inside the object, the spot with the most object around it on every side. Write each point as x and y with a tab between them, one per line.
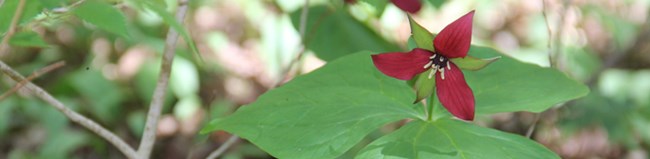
324	113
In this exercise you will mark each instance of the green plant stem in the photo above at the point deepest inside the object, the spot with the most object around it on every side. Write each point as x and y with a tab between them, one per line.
431	105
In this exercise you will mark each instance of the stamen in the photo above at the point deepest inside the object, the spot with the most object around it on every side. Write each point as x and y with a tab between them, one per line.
433	70
428	64
431	57
442	73
442	59
448	66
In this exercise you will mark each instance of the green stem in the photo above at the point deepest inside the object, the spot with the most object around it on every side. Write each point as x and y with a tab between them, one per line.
431	105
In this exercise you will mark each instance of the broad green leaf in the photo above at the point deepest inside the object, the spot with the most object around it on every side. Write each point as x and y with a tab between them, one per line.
27	39
473	63
324	113
423	38
448	138
8	9
102	15
508	85
332	33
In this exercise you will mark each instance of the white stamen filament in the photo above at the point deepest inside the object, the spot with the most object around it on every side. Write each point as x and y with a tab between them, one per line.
442	73
428	64
433	70
431	57
448	66
442	59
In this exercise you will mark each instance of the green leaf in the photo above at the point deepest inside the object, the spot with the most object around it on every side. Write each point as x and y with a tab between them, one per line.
379	5
169	19
102	15
424	86
8	9
448	138
508	85
53	3
423	38
27	39
324	113
61	145
332	33
437	3
103	96
473	63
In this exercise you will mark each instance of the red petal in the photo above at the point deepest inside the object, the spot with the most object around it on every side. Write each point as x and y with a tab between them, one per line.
455	94
454	40
411	6
402	65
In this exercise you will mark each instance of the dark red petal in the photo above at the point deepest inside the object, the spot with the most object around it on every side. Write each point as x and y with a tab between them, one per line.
454	40
455	94
402	65
411	6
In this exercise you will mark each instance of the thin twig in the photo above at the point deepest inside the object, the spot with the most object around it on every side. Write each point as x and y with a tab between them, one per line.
4	45
31	77
550	34
301	50
149	135
285	72
72	115
67	8
532	127
558	35
232	140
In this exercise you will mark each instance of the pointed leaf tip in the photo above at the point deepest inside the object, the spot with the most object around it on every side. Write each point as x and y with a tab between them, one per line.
473	63
421	35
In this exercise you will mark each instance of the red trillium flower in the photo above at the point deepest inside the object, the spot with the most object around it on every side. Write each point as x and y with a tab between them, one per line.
452	42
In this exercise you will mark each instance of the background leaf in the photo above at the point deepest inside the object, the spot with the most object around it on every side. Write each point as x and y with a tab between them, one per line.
103	16
27	39
324	113
508	85
448	138
332	33
8	9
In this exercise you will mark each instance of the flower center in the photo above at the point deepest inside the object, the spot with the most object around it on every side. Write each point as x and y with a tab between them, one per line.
438	63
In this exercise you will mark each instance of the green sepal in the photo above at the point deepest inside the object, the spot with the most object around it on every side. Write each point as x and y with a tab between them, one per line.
473	63
423	38
424	86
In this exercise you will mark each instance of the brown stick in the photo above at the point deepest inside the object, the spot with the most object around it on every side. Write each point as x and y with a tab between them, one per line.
31	77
